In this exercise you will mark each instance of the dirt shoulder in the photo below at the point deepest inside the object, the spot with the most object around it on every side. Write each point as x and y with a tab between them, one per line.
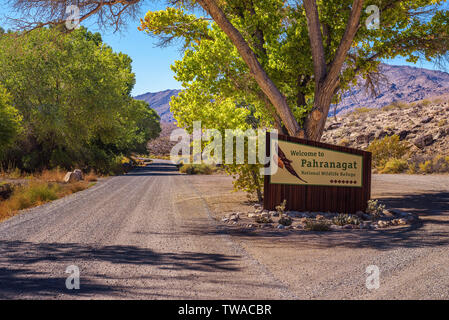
333	264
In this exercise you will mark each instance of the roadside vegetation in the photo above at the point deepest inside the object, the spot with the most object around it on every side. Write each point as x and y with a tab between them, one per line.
65	101
392	156
203	168
30	190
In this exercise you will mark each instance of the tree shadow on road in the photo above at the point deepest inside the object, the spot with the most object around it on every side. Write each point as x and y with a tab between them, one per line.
20	262
155	169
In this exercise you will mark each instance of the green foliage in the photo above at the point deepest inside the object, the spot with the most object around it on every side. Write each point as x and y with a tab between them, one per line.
281	208
10	122
345	219
375	209
395	166
397	105
197	169
362	110
73	93
390	147
35	194
263	220
219	89
314	225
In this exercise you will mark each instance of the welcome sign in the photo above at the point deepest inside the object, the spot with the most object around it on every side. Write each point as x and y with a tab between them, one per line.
300	164
316	176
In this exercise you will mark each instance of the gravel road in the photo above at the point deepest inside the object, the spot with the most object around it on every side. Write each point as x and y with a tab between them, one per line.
149	235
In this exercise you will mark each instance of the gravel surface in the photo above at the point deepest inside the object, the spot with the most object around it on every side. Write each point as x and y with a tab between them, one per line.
150	235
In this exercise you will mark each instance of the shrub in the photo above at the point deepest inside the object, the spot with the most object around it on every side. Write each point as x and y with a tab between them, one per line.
36	193
281	208
345	219
397	105
390	147
375	209
314	225
425	167
437	164
395	166
344	142
362	110
442	122
197	169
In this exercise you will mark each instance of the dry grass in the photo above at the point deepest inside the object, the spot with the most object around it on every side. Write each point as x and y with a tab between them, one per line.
55	175
36	193
39	188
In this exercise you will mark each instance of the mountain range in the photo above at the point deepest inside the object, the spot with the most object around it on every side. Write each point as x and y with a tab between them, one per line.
396	83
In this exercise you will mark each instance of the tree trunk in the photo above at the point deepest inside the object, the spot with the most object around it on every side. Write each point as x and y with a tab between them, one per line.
326	80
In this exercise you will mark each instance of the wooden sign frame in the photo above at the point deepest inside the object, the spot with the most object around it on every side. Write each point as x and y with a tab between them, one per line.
341	199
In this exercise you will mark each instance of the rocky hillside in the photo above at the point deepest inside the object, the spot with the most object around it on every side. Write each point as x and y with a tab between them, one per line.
423	124
397	83
162	145
159	101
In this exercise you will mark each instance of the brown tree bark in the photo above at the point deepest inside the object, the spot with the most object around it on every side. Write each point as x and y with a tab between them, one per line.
326	81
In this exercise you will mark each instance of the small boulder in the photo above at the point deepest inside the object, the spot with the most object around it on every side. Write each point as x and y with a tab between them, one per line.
334	126
5	191
426	119
424	141
75	176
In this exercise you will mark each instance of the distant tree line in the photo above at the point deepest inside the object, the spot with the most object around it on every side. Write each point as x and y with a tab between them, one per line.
65	101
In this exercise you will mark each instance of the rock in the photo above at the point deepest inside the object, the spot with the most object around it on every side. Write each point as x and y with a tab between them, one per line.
280	226
426	119
334	126
370	137
361	138
319	217
403	134
225	219
286	221
274	213
5	191
381	134
234	217
265	214
442	133
253	215
424	141
335	227
75	176
78	174
365	225
383	223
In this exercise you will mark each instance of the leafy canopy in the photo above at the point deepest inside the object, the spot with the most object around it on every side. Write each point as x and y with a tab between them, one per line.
73	93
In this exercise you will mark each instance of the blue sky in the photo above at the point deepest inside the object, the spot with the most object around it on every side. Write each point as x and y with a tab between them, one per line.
151	64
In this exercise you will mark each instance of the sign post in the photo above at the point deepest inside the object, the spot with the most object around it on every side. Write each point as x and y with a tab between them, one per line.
314	176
